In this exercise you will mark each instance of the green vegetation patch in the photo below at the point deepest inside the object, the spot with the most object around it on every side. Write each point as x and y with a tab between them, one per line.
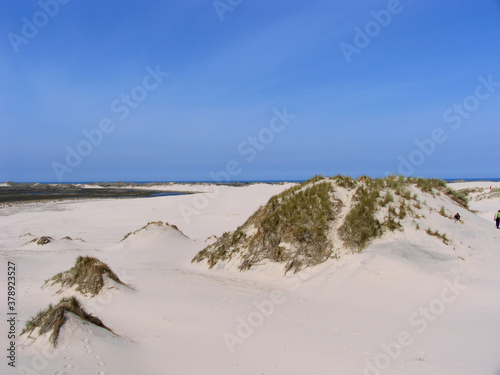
345	182
398	184
361	226
459	198
222	250
299	217
435	185
302	219
428	185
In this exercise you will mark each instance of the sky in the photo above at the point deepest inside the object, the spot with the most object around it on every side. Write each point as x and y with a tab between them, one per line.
203	90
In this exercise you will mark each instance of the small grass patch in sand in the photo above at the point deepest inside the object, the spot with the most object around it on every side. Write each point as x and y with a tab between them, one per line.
442	212
153	224
468	191
391	222
428	185
436	233
53	318
344	181
398	184
459	198
87	276
44	240
388	198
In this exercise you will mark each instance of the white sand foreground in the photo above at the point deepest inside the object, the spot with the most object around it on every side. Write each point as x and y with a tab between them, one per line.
398	307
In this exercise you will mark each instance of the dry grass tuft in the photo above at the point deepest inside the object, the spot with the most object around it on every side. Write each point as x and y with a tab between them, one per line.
54	317
87	275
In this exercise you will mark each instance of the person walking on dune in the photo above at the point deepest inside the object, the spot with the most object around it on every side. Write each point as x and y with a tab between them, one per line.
497	218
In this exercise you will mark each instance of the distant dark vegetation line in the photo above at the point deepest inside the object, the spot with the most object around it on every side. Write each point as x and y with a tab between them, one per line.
43	192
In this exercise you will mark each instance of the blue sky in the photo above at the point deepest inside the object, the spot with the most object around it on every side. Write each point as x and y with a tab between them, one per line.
368	87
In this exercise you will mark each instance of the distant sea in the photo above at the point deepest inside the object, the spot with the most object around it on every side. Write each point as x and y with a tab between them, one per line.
471	179
174	182
240	182
256	181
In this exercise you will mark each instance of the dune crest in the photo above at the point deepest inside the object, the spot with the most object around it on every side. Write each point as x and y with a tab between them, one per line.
327	218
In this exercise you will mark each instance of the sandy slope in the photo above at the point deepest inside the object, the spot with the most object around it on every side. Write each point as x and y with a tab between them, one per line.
441	303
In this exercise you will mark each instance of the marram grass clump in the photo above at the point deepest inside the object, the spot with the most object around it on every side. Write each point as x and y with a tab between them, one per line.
53	318
291	228
361	224
87	276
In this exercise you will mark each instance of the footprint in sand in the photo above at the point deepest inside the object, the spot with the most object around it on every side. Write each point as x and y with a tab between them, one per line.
89	349
66	367
88	346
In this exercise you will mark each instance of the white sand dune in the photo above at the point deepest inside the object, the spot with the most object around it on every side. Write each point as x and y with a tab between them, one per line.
408	304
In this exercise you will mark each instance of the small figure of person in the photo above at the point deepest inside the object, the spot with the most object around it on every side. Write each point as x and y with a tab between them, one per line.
497	218
457	217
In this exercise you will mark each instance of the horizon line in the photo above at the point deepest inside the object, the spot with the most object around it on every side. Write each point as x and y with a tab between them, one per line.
467	179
